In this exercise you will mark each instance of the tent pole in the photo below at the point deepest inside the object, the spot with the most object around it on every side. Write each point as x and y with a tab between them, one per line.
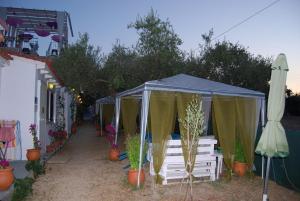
141	160
100	114
143	125
117	113
262	166
265	192
263	121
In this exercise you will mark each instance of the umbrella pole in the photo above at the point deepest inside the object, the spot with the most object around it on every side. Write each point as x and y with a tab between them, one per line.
265	193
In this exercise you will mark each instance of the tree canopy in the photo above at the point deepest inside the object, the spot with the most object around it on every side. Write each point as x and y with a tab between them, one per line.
156	55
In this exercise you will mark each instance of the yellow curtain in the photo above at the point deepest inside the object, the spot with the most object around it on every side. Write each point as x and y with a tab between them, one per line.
129	111
225	124
246	121
214	124
108	113
183	99
162	112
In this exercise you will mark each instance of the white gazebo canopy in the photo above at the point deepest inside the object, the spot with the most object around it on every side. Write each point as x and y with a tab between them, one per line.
185	84
99	106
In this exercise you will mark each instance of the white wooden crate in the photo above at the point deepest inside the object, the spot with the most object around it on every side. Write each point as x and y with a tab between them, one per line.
174	168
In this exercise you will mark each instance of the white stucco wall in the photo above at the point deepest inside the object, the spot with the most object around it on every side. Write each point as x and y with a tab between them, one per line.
17	94
68	112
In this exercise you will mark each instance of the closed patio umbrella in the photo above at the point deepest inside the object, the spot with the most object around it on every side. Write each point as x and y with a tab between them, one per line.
273	142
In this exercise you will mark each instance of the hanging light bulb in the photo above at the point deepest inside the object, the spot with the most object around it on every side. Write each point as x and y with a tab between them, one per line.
51	86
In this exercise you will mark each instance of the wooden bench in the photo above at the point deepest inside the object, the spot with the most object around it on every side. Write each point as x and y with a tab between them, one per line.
173	167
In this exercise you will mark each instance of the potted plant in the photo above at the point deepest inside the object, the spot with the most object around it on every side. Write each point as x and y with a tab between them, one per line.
98	130
97	120
74	128
6	175
114	152
240	166
133	152
33	154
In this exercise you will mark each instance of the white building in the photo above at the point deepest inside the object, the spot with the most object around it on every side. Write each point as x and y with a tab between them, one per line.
26	95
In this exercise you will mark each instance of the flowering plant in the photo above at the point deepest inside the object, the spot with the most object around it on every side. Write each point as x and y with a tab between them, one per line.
58	135
32	130
4	164
114	146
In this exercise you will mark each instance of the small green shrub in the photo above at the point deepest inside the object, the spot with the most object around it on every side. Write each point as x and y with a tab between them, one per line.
239	152
133	150
23	187
36	167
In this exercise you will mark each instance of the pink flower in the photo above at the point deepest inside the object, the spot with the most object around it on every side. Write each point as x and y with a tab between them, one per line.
114	146
51	133
32	127
4	164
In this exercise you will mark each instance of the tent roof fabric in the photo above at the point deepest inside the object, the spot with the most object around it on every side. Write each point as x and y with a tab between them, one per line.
190	84
106	100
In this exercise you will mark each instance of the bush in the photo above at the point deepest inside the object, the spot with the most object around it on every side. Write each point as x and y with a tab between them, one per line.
23	187
36	167
293	105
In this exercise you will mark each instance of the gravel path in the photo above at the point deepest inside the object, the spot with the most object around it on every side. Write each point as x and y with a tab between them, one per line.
82	172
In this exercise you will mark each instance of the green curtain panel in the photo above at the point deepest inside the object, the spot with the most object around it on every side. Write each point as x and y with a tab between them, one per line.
246	120
225	125
108	113
162	112
129	111
183	99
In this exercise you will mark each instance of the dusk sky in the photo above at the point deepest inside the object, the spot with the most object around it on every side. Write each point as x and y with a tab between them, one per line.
275	30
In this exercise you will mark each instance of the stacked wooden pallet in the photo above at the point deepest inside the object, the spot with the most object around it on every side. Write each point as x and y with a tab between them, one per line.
173	167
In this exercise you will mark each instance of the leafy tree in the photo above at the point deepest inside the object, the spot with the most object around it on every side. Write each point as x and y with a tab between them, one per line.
79	64
292	105
158	46
120	68
234	64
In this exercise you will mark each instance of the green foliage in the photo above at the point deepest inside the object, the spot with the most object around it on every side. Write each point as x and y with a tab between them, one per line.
234	64
293	105
156	37
158	47
133	151
36	167
157	55
193	121
78	65
239	152
22	188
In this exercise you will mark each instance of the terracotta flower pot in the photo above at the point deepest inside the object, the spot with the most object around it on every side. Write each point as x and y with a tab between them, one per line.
74	128
50	148
114	154
133	176
61	142
6	178
33	154
240	168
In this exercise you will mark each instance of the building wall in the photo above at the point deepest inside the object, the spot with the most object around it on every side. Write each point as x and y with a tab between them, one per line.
68	112
17	97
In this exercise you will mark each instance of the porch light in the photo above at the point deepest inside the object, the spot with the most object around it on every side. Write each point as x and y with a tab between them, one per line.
51	86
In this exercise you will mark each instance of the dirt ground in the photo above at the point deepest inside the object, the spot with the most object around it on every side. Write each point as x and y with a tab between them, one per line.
82	172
